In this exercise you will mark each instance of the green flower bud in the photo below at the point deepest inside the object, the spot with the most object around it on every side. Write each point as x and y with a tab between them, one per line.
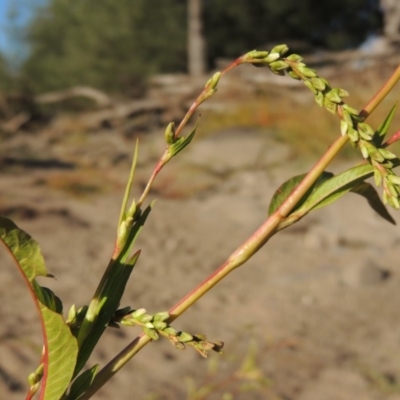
33	378
310	86
159	325
281	49
145	318
387	154
353	136
151	333
184	337
255	54
279	65
36	376
161	316
377	177
364	135
392	189
293	75
341	92
138	313
334	97
385	197
350	110
170	133
330	106
344	126
308	72
271	58
171	331
394	202
122	230
319	99
364	150
130	215
347	117
318	83
128	322
71	315
393	179
365	131
213	81
295	57
373	152
387	164
375	155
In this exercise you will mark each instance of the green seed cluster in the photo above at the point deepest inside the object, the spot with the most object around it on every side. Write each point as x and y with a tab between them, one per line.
360	133
75	318
34	380
154	325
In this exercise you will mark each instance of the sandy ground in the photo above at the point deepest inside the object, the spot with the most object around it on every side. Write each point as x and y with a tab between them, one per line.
313	316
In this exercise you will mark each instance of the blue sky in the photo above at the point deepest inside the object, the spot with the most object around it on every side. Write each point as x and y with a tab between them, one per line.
13	13
4	4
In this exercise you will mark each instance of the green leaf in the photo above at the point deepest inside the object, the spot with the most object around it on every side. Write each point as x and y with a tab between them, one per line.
180	143
287	187
60	346
82	383
326	191
337	186
384	127
49	299
112	291
128	188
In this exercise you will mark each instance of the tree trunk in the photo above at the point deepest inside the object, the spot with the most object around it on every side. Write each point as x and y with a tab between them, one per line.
391	14
196	43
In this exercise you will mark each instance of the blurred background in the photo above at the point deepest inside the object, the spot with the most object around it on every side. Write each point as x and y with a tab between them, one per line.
80	80
53	44
61	56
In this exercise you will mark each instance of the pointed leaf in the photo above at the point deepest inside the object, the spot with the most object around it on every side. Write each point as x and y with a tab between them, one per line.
49	299
384	127
337	186
113	289
129	184
180	143
82	383
332	189
323	192
287	187
60	347
283	192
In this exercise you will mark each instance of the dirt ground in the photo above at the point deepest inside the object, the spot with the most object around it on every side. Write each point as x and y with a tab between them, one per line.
313	316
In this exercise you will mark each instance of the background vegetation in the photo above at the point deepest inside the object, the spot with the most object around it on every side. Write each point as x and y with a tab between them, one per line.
115	45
